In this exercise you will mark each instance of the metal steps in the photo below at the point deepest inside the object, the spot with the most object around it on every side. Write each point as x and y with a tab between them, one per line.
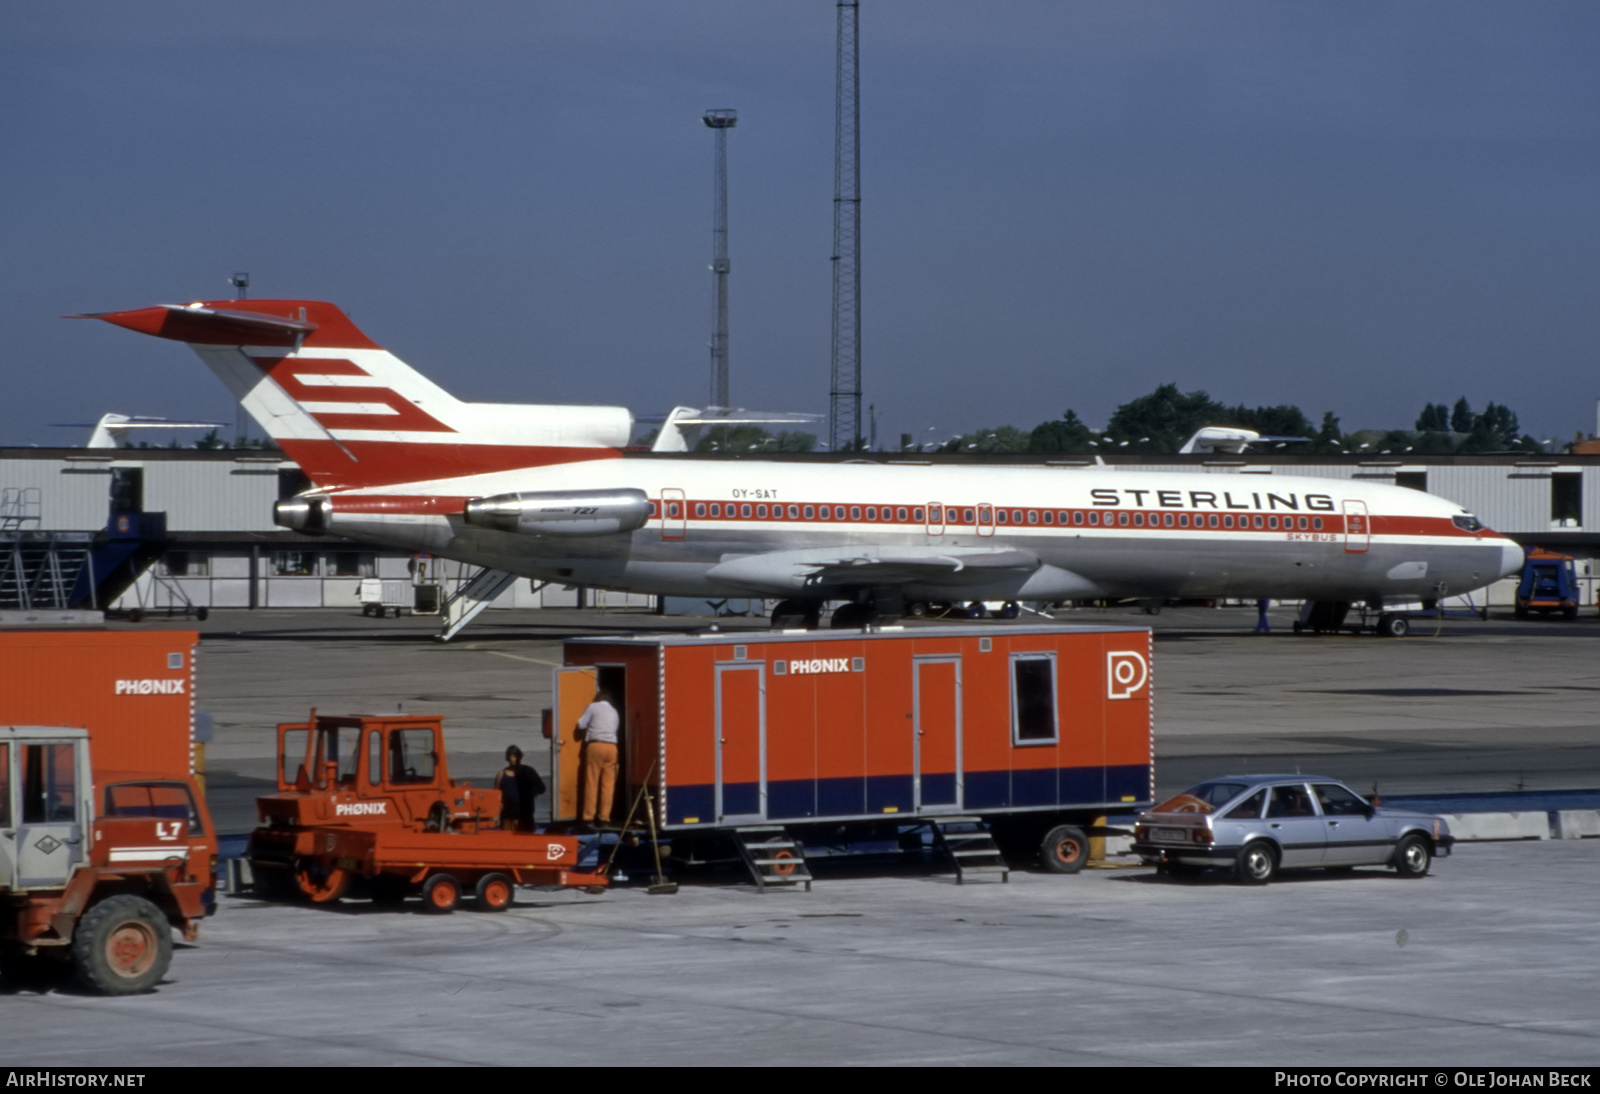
774	858
971	847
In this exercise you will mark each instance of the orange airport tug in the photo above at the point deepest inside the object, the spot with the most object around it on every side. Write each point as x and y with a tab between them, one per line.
369	798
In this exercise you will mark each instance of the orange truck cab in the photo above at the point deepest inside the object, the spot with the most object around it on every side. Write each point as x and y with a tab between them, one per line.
97	867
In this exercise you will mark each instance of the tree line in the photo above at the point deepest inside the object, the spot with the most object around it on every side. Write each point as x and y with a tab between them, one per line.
1165	419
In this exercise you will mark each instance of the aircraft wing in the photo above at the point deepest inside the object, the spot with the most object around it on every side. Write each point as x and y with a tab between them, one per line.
891	568
876	566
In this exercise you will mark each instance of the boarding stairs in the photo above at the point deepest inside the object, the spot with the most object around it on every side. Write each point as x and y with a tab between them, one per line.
971	847
39	570
471	599
775	859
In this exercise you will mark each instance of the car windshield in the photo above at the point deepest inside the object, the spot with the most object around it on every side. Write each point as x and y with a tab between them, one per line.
1204	798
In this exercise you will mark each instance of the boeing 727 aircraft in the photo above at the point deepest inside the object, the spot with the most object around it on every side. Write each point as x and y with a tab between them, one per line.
546	492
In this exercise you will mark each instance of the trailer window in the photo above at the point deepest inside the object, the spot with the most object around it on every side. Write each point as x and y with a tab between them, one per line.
49	785
374	758
410	756
1033	699
167	801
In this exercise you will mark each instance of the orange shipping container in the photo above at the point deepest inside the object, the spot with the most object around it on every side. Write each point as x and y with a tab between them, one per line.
132	690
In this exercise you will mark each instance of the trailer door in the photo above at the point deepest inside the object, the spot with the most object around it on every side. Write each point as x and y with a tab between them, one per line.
741	743
574	691
53	777
936	722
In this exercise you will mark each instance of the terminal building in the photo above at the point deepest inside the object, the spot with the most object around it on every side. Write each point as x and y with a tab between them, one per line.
203	522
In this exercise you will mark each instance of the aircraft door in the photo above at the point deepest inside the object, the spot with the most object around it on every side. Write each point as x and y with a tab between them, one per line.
574	691
741	730
49	835
1357	527
936	724
935	519
674	514
985	520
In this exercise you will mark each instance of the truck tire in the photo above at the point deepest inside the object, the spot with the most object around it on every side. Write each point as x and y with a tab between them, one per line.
495	893
1064	849
122	946
440	894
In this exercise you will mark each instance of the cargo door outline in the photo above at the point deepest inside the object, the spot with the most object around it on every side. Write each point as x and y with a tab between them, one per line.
574	691
49	829
674	514
936	736
741	745
1357	527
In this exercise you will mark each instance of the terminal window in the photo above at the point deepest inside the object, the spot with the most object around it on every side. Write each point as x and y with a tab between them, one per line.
1566	497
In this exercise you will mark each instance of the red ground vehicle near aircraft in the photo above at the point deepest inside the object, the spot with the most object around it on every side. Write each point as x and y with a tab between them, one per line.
369	799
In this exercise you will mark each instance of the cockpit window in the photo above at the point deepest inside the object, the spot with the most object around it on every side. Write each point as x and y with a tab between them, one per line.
1467	522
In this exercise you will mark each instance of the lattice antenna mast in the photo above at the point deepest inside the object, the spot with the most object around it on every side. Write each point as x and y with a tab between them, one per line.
845	408
720	121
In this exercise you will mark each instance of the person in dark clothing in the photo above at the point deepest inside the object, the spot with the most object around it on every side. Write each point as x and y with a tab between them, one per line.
520	787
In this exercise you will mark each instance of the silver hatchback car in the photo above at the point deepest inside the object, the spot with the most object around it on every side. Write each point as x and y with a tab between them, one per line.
1260	824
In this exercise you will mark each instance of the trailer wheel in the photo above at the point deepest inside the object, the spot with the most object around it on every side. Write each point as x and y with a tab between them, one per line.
1064	849
122	946
1393	626
321	885
440	894
495	893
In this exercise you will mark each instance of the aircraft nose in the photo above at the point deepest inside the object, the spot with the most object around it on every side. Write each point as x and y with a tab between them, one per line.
1511	558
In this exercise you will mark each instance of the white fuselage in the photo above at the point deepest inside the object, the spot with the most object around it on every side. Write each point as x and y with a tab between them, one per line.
1025	532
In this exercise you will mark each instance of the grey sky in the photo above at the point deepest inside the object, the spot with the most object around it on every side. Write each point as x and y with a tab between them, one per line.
1357	207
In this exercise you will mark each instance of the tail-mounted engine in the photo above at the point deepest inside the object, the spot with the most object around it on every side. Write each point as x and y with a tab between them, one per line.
565	513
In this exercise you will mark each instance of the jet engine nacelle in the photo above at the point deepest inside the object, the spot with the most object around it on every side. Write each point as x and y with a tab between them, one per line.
562	513
306	513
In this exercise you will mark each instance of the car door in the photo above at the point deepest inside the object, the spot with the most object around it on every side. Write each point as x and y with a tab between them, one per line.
1356	835
1292	819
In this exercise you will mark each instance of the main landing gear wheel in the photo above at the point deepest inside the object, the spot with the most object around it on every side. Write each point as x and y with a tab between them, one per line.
440	894
1257	863
851	615
122	946
1009	610
1064	849
495	893
1393	626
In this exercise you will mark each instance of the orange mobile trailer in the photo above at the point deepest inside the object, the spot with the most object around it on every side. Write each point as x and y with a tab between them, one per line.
132	690
1023	727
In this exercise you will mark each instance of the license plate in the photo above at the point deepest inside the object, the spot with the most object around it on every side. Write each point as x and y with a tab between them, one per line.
1171	835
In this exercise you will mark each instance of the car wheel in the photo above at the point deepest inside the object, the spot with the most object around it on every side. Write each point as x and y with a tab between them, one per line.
1413	857
1064	849
1257	863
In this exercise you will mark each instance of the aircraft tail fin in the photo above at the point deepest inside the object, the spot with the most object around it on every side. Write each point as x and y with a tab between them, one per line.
352	414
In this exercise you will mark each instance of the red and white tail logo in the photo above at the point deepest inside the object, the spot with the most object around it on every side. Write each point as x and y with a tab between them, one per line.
351	413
